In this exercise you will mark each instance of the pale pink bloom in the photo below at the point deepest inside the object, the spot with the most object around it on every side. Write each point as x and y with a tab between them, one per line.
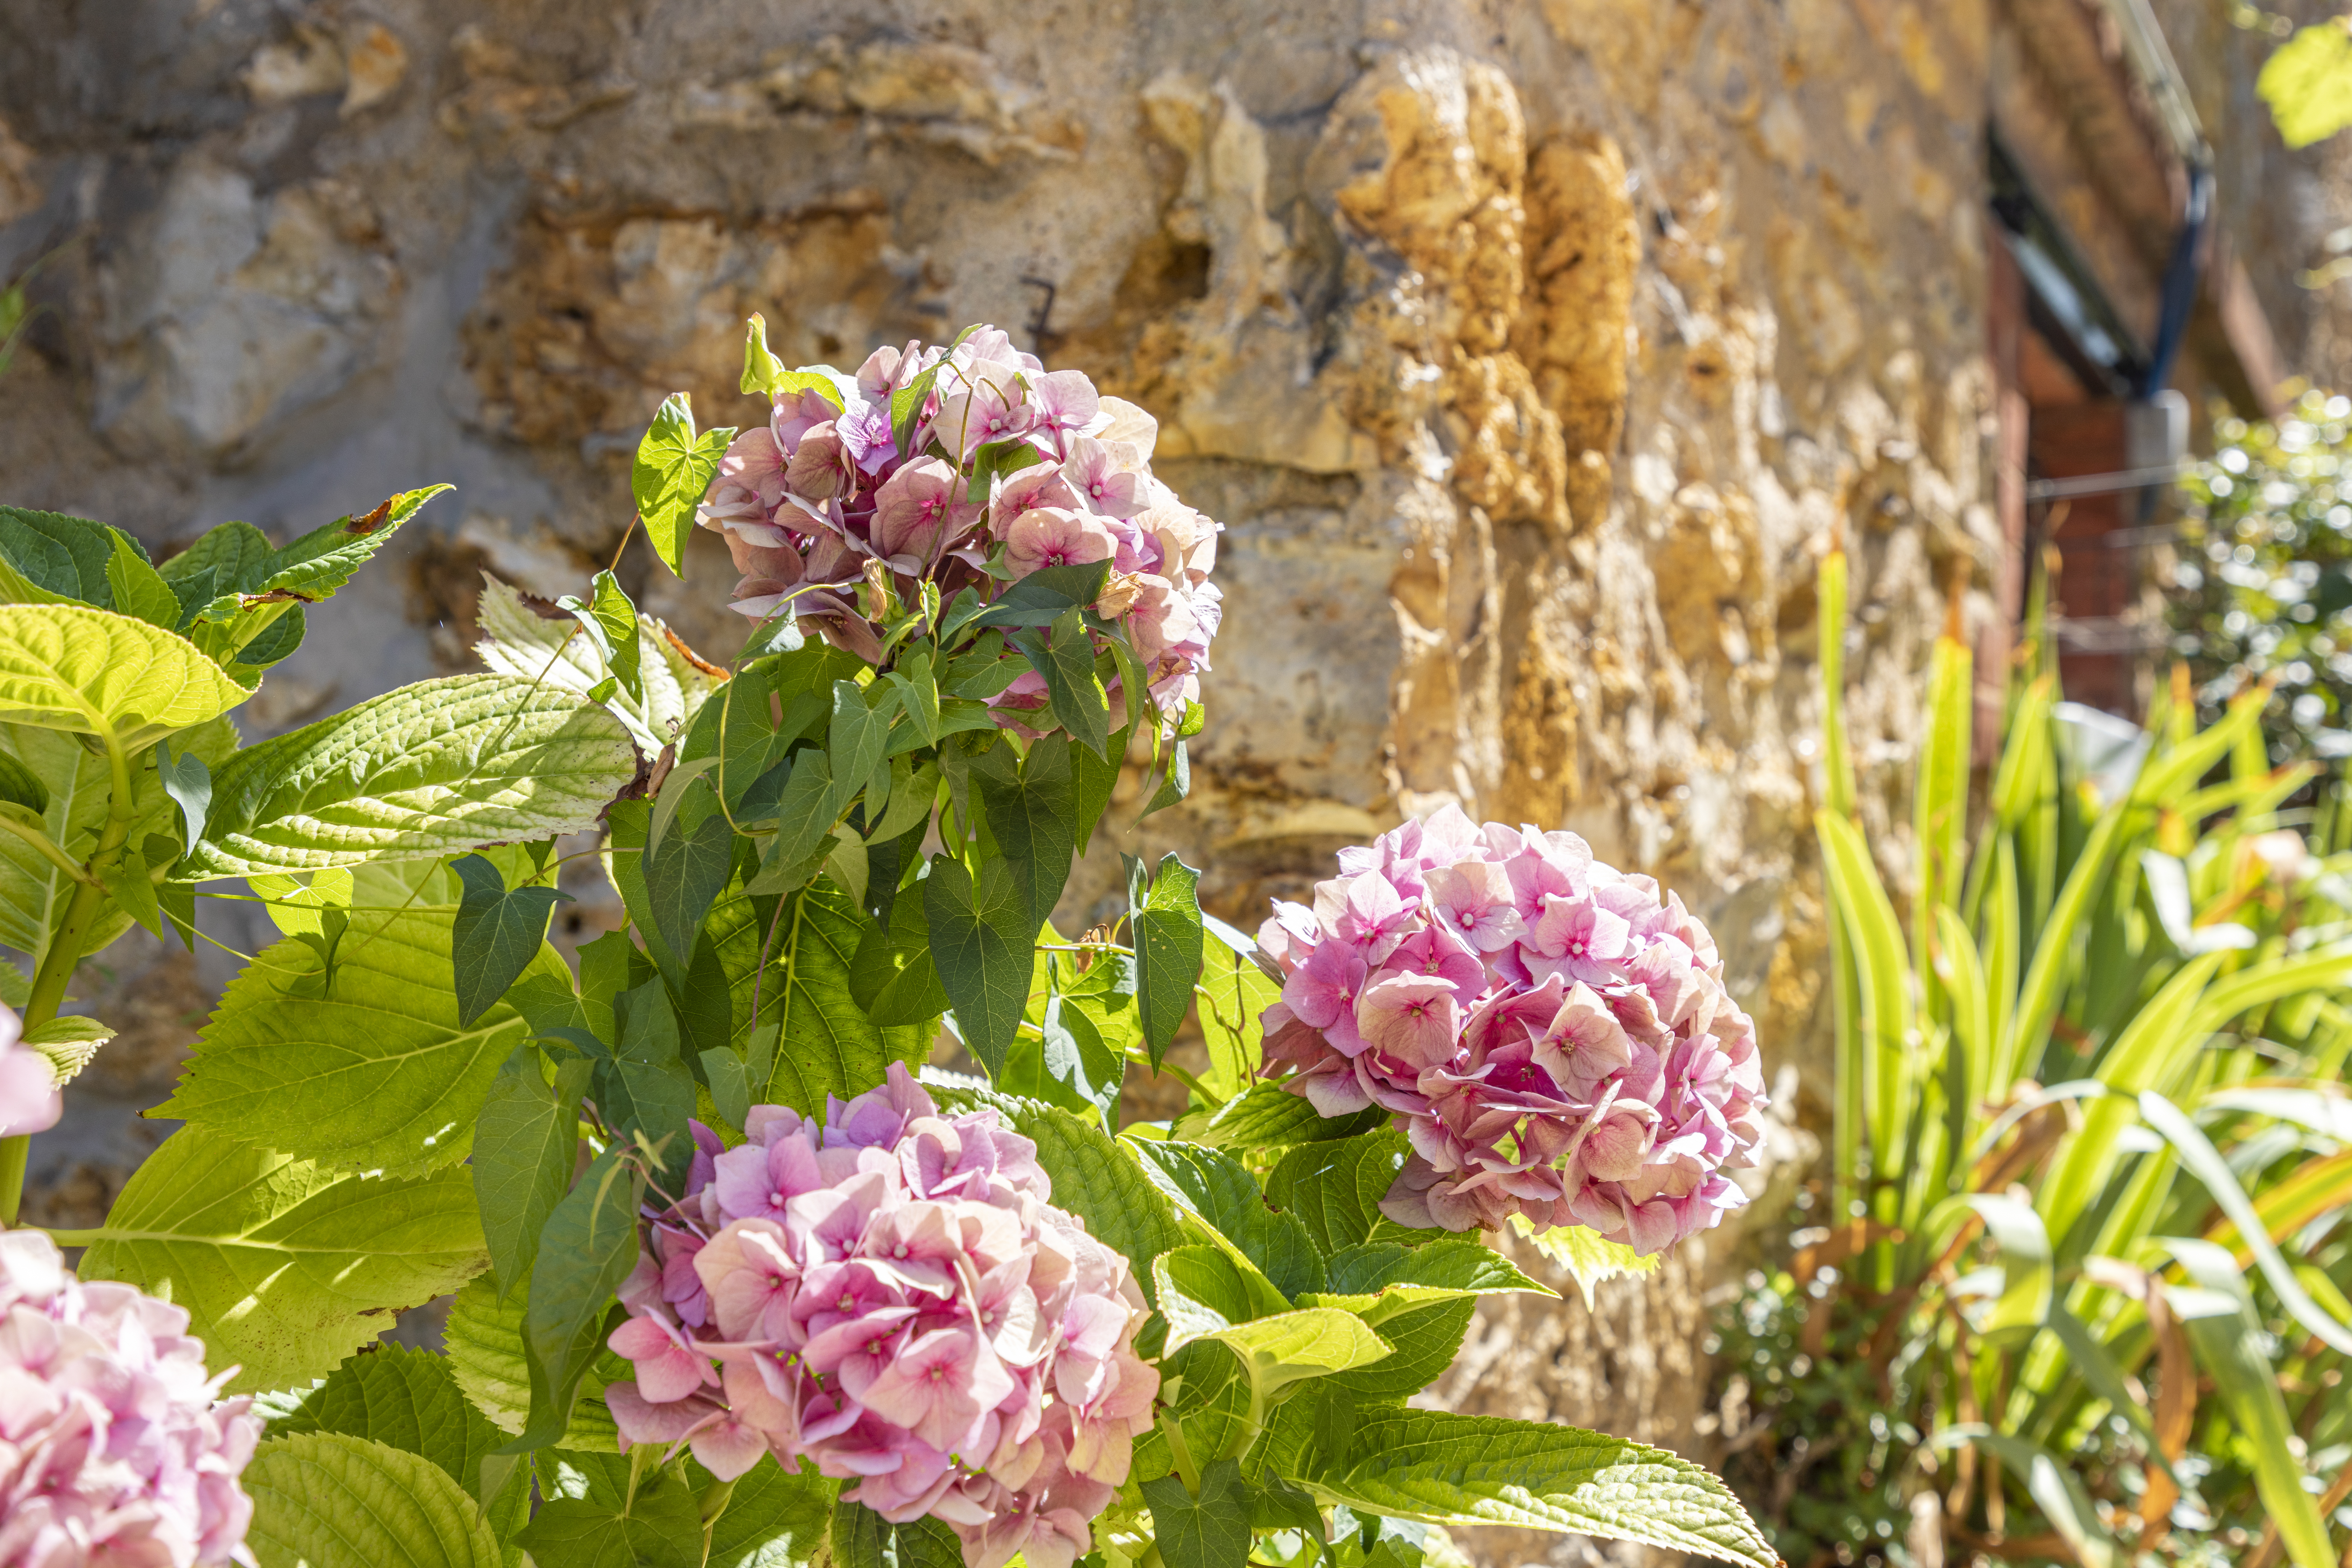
1046	536
114	1446
1472	898
1025	489
1101	481
29	1102
919	511
1067	404
1411	1018
1552	1035
668	1365
919	1322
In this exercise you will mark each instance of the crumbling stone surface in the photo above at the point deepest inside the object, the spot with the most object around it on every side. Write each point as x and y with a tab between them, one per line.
1532	356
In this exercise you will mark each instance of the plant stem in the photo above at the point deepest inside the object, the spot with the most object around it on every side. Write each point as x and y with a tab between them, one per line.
58	961
46	845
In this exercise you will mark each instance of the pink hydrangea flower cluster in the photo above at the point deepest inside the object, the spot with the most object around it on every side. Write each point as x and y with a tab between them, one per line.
29	1102
892	1294
810	501
1553	1036
114	1448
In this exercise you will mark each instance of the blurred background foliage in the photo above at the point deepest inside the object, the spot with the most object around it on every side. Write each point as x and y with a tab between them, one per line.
2263	576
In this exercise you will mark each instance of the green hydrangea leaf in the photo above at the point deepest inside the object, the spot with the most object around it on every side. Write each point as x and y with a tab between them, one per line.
285	1267
32	889
70	667
1268	1116
137	588
313	567
1211	1530
1336	1188
483	1338
673	469
325	1499
408	1399
432	769
374	1071
48	558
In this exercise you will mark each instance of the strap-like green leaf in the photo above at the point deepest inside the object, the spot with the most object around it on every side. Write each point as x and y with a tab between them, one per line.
67	667
2025	1258
284	1268
2231	1344
2055	1487
324	1500
2205	1161
432	769
1444	1468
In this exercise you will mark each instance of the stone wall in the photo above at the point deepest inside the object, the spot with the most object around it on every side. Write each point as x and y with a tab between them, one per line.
1532	353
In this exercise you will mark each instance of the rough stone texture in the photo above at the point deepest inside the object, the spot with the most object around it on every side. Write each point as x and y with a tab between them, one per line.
1533	355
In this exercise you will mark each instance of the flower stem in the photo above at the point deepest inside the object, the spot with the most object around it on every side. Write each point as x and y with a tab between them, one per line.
58	961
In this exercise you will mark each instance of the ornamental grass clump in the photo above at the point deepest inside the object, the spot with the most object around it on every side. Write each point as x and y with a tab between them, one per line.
115	1447
891	1293
1552	1034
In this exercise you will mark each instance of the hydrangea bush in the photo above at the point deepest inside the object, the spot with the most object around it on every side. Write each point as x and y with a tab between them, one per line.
799	1218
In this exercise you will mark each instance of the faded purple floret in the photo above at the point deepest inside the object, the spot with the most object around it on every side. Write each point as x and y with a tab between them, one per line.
115	1448
1552	1035
890	1293
808	499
